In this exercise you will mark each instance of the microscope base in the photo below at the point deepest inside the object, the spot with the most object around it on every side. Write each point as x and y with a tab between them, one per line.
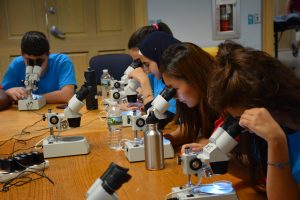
137	153
32	104
65	146
184	195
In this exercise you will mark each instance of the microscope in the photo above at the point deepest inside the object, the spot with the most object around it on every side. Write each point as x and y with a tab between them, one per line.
213	159
125	89
134	150
58	146
104	187
32	77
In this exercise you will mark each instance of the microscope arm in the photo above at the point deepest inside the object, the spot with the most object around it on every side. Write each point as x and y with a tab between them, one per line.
74	105
215	153
76	102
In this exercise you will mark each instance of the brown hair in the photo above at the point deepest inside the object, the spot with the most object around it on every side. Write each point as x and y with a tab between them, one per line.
189	62
248	78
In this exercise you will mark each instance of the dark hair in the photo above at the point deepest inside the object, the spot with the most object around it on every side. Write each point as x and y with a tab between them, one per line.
248	78
34	43
189	62
139	35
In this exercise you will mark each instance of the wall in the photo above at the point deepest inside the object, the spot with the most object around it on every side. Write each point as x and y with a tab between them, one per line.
191	20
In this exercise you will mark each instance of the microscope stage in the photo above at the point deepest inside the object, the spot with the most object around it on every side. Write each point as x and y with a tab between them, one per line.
185	195
32	104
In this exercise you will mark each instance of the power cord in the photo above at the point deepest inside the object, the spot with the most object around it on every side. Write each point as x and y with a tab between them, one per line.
18	181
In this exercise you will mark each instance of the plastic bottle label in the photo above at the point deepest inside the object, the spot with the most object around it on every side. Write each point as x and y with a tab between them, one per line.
105	82
114	120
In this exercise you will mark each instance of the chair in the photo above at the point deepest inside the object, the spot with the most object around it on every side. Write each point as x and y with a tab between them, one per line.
115	63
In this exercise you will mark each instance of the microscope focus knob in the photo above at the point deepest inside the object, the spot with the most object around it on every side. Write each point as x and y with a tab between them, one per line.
117	84
140	122
195	164
53	120
116	95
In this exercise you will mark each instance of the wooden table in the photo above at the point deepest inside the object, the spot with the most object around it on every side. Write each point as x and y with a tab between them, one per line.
72	176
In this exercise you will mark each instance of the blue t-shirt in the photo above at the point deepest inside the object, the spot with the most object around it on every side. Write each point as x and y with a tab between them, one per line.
157	87
60	72
294	154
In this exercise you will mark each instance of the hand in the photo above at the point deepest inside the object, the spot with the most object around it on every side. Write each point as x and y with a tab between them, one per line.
260	122
139	75
16	93
193	146
127	107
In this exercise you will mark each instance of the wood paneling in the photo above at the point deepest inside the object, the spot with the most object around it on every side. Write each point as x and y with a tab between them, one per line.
109	15
21	16
91	27
81	60
71	16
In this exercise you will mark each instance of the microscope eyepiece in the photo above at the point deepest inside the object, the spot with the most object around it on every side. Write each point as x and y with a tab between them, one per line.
38	62
83	92
136	63
232	127
30	62
114	177
168	93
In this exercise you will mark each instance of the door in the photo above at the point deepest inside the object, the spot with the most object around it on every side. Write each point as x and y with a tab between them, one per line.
78	28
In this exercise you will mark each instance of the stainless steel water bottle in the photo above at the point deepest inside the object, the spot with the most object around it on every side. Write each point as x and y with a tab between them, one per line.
153	143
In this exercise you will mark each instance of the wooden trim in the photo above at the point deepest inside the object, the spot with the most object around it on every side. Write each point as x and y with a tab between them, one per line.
140	13
268	26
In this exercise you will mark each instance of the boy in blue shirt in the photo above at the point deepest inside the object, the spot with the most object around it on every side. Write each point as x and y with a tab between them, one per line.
57	81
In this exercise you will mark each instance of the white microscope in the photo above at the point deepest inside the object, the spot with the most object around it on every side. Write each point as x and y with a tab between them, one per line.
213	159
134	150
104	187
126	88
32	77
58	146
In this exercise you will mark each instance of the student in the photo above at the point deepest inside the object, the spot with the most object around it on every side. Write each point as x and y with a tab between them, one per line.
186	67
57	82
265	95
151	49
135	39
139	35
4	100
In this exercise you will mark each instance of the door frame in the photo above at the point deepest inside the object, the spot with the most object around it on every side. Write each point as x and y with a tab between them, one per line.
268	26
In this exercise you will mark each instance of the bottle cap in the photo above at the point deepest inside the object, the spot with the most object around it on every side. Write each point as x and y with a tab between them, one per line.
151	119
105	70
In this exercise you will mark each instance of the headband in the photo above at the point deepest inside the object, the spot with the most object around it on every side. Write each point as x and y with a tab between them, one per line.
155	26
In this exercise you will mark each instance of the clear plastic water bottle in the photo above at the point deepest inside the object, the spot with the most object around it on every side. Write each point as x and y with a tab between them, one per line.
114	125
105	82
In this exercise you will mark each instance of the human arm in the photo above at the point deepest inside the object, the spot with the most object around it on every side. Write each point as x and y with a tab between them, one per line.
195	147
5	102
12	81
146	90
60	96
16	93
280	183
